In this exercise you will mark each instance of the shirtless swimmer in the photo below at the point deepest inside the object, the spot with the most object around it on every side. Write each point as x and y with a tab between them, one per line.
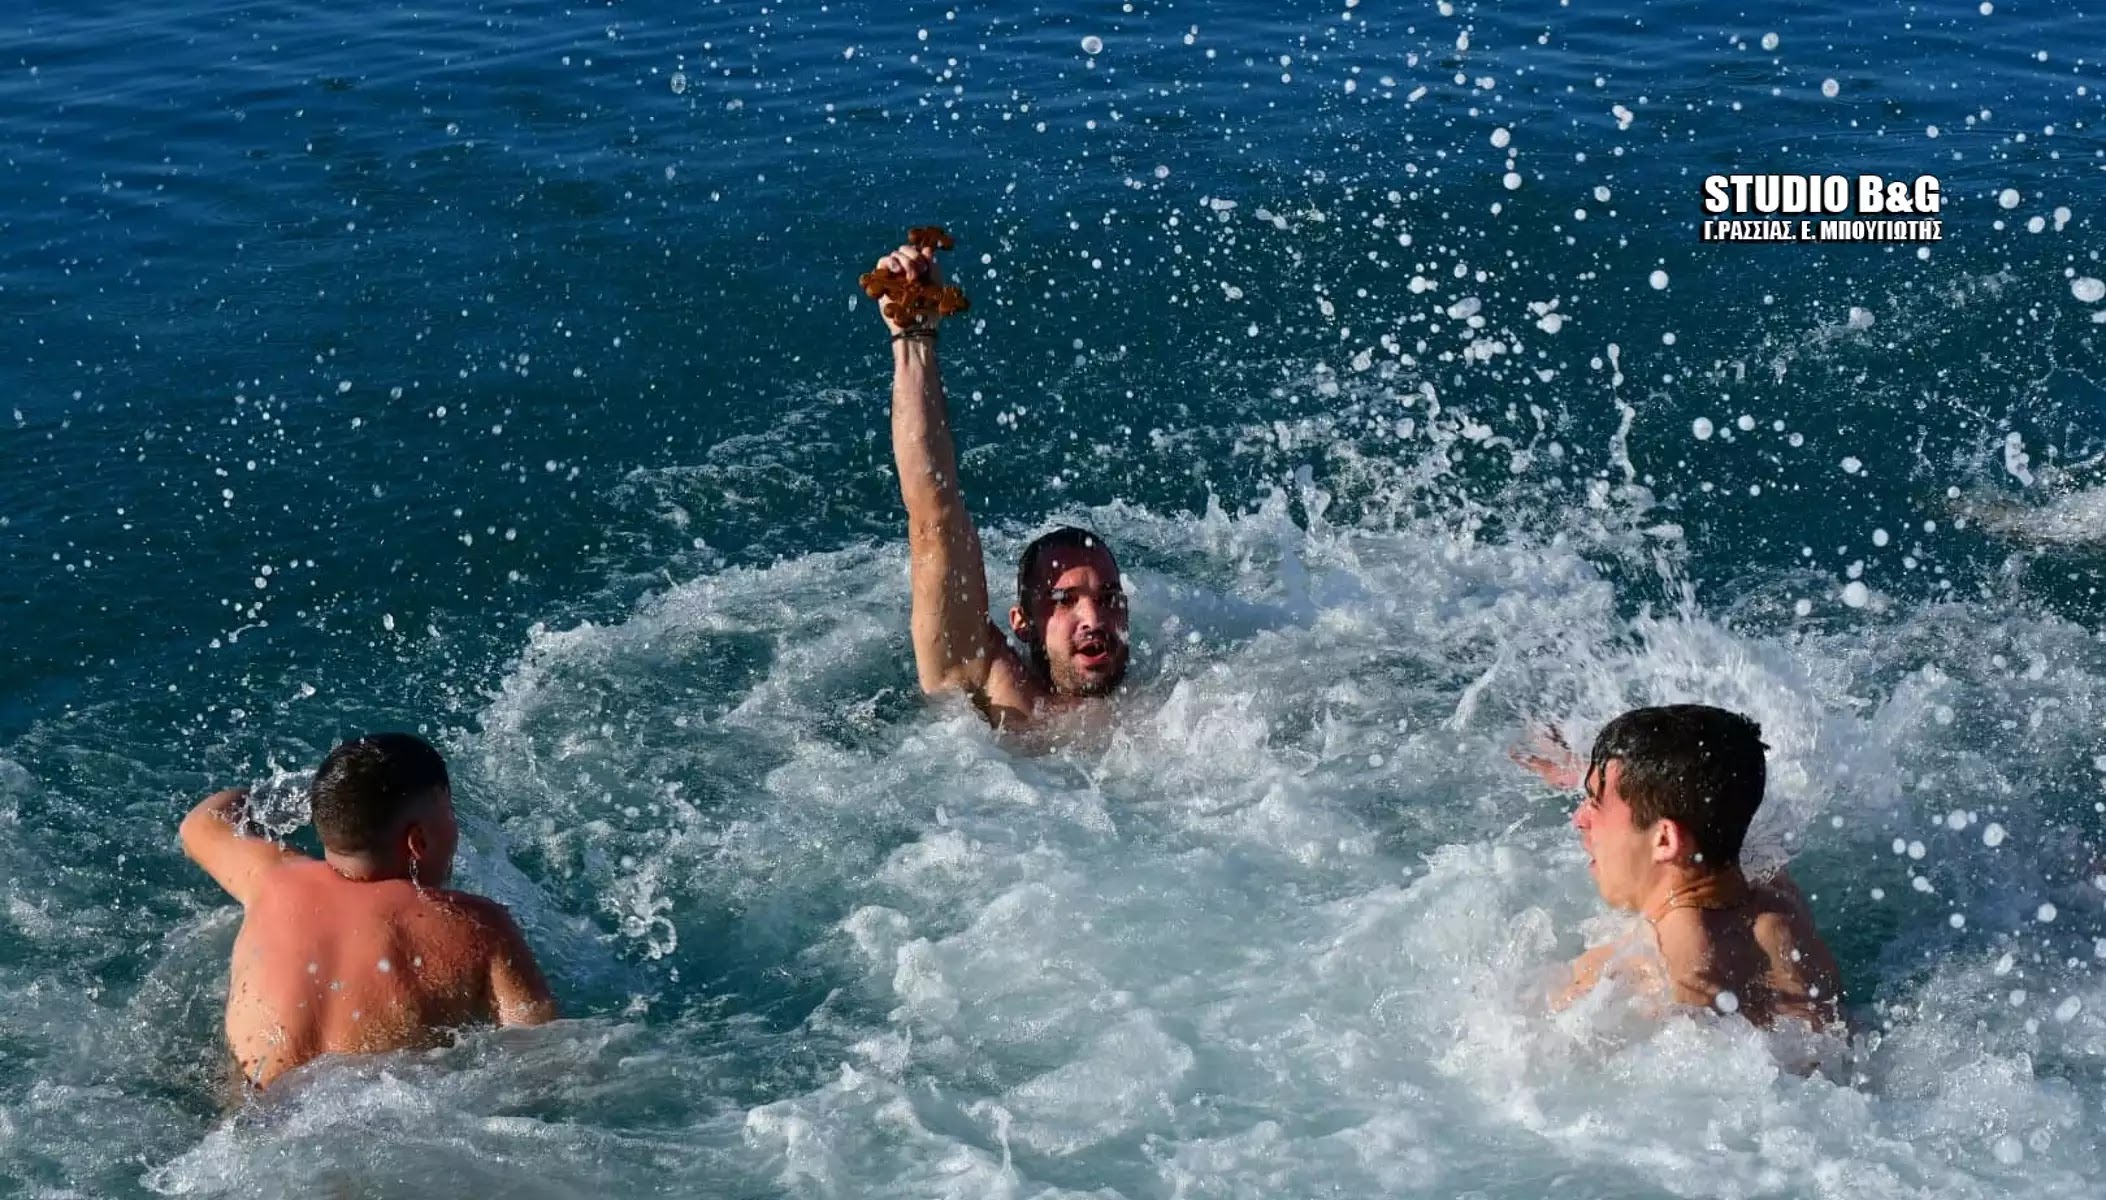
1669	795
1070	615
365	951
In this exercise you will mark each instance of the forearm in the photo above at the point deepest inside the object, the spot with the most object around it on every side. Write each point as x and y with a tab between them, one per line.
922	449
949	582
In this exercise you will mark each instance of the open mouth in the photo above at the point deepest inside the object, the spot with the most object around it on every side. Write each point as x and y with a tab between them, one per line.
1094	654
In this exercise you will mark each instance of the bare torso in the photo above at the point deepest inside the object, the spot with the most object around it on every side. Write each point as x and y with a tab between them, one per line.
326	965
1761	958
1754	951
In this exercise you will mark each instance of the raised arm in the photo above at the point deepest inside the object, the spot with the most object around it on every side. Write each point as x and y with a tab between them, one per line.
955	644
213	839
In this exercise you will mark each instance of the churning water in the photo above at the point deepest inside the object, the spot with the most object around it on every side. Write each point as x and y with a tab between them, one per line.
497	370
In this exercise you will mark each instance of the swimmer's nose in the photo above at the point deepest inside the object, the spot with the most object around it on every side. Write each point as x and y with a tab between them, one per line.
1088	617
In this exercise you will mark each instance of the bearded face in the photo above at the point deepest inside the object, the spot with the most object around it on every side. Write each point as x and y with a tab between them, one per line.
1076	626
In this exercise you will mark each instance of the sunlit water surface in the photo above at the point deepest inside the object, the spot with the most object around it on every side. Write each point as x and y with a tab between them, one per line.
497	371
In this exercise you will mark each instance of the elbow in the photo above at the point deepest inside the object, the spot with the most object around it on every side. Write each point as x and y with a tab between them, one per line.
212	815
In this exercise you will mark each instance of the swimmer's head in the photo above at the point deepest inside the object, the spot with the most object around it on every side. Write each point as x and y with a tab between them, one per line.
1669	787
385	799
1071	612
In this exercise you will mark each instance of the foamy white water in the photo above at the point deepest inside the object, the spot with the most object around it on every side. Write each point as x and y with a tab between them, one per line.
1285	933
516	304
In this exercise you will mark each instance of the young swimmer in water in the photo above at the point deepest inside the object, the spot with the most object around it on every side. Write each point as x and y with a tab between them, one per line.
1070	615
1669	795
365	951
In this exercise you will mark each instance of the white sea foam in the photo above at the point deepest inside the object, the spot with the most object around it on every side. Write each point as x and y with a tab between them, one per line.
2068	518
1287	930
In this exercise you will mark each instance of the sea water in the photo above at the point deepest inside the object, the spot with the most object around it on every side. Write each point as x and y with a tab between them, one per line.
497	371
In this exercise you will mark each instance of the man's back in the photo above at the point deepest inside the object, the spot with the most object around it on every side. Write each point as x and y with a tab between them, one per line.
328	965
1762	952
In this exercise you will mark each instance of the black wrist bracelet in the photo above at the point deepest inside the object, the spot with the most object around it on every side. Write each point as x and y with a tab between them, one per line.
916	334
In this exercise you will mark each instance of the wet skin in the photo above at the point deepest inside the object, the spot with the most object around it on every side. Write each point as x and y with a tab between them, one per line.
350	957
1723	942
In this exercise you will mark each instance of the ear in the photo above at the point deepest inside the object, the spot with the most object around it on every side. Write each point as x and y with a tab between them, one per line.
1020	623
1671	842
416	844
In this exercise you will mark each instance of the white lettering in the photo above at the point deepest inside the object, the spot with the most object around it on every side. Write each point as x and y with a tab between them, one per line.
1715	194
1870	197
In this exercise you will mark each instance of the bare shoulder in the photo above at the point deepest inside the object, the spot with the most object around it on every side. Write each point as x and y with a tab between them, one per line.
1683	934
1782	915
478	912
1777	928
1699	965
295	883
1010	695
1787	935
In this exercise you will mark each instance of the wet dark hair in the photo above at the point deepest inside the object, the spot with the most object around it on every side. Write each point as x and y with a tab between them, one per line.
365	788
1032	564
1701	766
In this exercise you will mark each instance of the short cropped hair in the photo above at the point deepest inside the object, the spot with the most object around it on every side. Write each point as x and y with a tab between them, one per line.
366	787
1701	766
1067	537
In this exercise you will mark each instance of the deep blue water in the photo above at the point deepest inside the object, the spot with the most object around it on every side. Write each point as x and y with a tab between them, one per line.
498	370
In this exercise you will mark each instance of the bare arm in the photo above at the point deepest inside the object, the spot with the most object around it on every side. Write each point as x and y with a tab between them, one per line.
213	840
517	989
955	645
